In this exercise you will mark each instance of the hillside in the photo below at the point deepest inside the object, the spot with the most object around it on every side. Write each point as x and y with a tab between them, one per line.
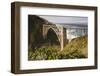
77	46
35	26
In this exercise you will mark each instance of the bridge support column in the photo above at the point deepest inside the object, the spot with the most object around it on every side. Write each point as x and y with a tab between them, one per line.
63	37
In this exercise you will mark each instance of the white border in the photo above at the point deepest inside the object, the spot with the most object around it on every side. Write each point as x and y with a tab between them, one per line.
25	64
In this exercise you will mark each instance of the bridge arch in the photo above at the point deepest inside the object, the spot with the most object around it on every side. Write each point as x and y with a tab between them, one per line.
53	27
58	31
52	36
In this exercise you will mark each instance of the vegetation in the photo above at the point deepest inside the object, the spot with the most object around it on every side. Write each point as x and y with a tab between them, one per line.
77	48
43	53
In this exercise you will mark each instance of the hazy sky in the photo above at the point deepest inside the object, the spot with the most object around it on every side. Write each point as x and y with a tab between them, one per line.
67	20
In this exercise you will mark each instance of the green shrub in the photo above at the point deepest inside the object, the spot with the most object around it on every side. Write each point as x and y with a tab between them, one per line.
43	54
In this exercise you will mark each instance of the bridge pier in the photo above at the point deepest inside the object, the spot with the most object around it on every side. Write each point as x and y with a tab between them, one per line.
63	37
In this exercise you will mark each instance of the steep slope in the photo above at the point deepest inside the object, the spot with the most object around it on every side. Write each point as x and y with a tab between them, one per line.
77	47
35	25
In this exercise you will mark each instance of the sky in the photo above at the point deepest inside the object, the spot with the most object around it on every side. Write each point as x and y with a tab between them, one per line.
71	20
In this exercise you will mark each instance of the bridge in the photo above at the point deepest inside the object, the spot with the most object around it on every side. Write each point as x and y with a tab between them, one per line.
64	34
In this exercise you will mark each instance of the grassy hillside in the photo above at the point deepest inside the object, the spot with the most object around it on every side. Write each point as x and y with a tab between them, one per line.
77	48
